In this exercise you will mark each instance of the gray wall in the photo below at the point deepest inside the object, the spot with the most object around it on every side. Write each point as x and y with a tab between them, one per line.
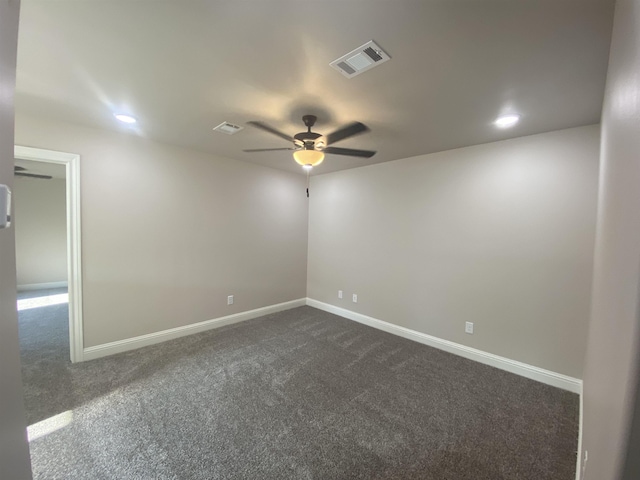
40	221
168	233
611	360
14	452
500	234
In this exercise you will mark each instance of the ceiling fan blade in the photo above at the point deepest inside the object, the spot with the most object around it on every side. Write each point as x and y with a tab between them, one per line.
267	149
349	151
32	175
18	168
350	130
267	128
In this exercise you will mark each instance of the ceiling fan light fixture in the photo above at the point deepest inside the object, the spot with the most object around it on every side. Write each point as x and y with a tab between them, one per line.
308	157
309	147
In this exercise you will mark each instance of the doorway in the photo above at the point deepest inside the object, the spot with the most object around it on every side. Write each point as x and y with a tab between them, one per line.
71	164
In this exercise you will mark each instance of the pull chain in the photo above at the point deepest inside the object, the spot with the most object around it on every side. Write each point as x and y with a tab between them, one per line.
308	183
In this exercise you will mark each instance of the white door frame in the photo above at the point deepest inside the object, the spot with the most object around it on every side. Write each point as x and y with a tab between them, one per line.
71	161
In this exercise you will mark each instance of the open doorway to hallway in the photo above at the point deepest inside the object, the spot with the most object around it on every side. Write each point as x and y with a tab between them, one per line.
44	271
39	196
49	311
40	221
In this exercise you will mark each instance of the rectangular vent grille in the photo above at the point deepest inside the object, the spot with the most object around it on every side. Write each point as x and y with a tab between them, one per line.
345	66
228	128
375	56
360	60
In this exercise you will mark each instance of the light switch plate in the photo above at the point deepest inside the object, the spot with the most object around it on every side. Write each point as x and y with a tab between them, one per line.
5	207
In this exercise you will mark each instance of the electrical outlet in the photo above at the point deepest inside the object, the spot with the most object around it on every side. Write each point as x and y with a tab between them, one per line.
355	298
339	293
230	300
468	328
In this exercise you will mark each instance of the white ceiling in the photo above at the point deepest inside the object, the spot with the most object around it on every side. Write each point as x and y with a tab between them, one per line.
183	67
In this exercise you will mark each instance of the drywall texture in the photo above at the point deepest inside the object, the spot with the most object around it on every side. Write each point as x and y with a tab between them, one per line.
40	219
168	233
500	234
611	362
14	450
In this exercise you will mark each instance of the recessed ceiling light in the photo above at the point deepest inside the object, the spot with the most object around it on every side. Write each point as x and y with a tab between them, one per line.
123	117
506	121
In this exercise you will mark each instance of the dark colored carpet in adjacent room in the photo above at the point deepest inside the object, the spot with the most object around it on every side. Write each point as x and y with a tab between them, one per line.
299	394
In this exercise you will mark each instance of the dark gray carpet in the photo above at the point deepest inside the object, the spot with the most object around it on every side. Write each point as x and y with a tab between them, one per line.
44	349
301	394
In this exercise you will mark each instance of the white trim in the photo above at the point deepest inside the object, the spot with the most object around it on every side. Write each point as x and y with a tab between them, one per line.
71	161
41	286
529	371
120	346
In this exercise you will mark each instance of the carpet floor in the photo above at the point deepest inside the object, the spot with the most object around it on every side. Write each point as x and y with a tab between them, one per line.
300	394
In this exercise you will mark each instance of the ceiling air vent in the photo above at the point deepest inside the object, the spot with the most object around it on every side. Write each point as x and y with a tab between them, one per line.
228	128
360	60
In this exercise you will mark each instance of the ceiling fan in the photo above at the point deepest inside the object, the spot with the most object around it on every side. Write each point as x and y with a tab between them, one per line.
309	147
19	171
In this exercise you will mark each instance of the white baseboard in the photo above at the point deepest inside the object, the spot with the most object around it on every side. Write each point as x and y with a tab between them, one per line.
91	353
529	371
41	286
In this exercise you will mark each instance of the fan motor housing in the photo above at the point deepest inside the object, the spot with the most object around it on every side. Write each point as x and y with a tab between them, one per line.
306	136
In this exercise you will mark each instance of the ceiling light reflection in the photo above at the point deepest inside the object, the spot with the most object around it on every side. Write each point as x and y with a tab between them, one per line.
506	121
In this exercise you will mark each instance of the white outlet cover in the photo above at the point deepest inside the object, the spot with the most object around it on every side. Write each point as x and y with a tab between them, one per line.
355	298
468	328
5	206
230	300
339	293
